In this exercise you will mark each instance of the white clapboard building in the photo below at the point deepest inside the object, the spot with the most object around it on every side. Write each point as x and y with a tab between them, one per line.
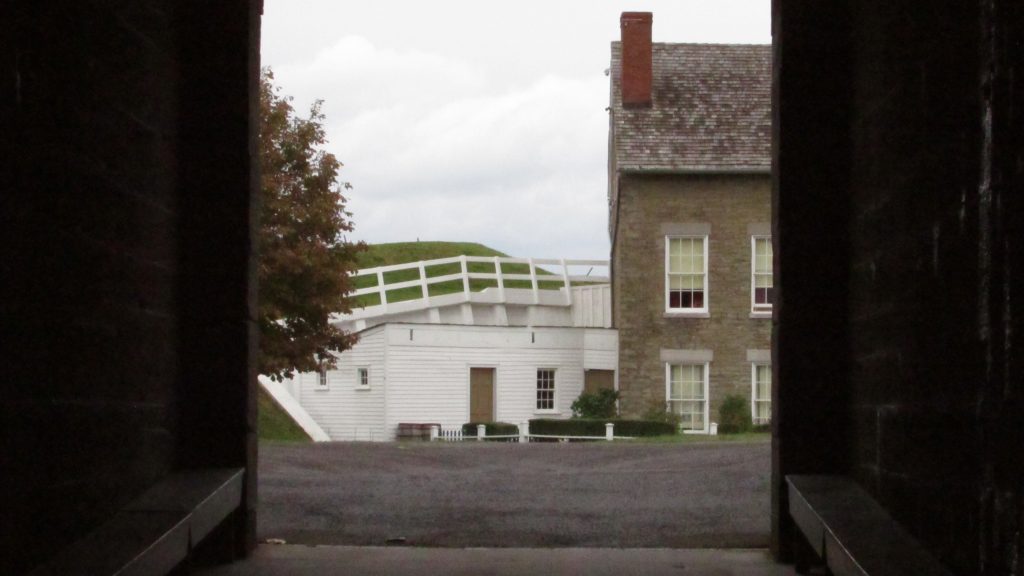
524	348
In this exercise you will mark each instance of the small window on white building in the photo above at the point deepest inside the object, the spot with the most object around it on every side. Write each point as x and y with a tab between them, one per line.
762	296
761	394
321	378
687	395
545	389
686	278
363	378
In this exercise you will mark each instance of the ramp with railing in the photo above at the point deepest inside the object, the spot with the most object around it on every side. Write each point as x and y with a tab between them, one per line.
403	290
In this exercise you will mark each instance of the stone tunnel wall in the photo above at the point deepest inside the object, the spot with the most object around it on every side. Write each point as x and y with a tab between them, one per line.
931	157
125	319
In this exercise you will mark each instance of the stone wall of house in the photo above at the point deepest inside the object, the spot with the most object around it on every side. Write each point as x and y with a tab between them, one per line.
731	205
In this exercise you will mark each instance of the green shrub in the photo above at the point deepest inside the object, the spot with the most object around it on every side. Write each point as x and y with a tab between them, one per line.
600	404
645	428
493	428
656	412
594	427
573	427
734	415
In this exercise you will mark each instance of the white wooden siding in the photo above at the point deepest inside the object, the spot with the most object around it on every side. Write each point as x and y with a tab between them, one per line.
601	349
428	369
419	373
592	306
344	411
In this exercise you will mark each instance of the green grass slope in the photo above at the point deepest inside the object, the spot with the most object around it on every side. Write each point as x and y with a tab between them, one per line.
404	252
274	423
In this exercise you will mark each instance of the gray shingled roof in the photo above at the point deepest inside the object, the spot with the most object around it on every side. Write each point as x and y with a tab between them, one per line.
711	110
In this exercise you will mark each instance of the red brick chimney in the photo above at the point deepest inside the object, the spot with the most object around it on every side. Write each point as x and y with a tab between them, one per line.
636	59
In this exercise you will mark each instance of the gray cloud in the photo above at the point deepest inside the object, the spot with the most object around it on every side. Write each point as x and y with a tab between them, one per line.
495	133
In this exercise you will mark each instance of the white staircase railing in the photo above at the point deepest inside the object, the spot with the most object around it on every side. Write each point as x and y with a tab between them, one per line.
562	275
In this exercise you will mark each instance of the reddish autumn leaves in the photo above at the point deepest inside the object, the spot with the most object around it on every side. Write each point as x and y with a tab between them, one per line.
305	258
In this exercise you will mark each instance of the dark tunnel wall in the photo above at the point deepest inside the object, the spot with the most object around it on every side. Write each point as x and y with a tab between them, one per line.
125	307
916	342
89	258
931	234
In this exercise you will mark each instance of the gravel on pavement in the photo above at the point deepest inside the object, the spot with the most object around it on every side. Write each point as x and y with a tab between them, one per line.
470	494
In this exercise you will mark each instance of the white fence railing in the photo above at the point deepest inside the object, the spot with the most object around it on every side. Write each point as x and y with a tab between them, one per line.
445	434
540	271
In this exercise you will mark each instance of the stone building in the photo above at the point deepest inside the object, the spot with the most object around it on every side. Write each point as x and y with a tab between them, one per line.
689	218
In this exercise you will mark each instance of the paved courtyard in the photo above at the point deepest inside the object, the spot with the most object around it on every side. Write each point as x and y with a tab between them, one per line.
693	495
270	560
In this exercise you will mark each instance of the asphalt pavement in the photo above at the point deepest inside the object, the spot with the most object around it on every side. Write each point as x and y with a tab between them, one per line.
269	560
691	495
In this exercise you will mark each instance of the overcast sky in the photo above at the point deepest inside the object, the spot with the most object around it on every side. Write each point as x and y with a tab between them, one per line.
473	120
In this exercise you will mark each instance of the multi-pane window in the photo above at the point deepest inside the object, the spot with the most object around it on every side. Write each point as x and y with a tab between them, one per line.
321	377
363	377
761	273
762	394
545	389
686	273
687	394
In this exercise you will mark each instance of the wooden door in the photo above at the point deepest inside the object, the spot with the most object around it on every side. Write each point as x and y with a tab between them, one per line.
481	394
594	380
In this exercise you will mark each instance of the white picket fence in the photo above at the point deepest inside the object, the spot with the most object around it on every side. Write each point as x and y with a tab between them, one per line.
447	434
455	434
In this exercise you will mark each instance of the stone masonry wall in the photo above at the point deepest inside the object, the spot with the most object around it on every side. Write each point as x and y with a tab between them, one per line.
125	249
936	395
729	204
90	259
900	170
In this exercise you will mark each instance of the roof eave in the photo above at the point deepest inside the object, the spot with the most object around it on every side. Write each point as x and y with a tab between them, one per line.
695	170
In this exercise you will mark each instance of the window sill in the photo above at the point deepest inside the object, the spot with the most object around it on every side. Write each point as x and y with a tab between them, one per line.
547	412
763	314
323	388
678	314
362	388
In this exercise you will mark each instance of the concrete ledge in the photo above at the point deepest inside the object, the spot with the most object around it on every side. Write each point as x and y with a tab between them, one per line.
686	356
853	533
156	531
686	315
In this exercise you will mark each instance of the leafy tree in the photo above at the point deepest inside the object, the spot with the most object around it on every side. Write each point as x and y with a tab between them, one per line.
305	259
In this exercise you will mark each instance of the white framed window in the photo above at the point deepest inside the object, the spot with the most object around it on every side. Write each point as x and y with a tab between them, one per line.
321	378
761	393
363	378
686	392
761	289
545	389
686	274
